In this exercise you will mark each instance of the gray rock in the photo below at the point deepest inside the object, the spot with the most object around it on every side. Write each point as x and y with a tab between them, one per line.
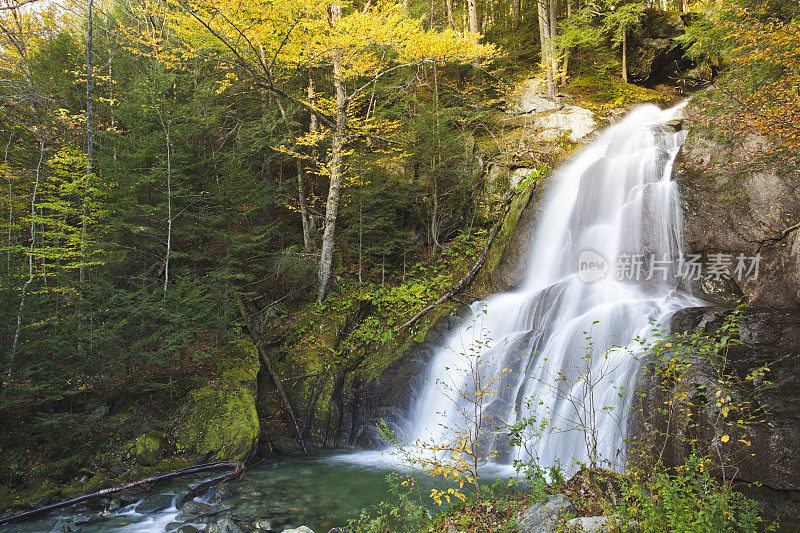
64	525
187	528
652	48
733	214
591	524
529	97
575	122
270	525
301	529
223	491
192	510
154	503
339	530
768	337
226	525
114	505
83	519
543	517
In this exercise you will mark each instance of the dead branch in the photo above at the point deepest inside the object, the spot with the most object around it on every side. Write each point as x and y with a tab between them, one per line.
262	354
468	277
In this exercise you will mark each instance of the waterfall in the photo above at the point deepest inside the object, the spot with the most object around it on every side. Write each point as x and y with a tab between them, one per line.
560	349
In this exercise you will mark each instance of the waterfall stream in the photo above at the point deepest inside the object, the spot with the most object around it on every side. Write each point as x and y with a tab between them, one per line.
560	350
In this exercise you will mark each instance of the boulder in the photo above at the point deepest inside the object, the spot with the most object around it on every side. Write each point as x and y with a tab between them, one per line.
220	422
301	529
529	97
575	122
269	525
154	503
187	528
226	525
193	510
223	491
591	524
544	517
147	450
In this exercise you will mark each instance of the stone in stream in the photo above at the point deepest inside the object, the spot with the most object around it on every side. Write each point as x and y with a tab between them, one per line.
543	517
154	503
64	525
192	510
228	525
223	492
187	528
270	525
301	529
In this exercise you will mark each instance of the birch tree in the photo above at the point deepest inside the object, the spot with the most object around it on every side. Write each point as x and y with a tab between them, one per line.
355	47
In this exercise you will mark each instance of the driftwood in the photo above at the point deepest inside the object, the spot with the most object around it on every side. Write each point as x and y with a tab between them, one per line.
468	277
237	466
262	354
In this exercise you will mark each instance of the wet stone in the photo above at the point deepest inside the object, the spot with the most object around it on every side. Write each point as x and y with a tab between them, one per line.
154	503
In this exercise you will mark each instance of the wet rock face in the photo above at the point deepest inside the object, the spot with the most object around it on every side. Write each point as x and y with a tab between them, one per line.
387	398
745	214
772	459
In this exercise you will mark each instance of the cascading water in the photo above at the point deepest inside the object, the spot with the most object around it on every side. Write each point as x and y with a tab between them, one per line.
560	349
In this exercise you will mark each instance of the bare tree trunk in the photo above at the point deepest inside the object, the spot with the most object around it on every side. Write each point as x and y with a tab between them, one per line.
624	55
313	128
308	238
89	133
166	125
472	7
335	170
10	204
544	39
450	17
30	258
553	25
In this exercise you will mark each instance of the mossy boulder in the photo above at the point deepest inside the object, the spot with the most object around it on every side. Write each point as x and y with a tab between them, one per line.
147	449
220	422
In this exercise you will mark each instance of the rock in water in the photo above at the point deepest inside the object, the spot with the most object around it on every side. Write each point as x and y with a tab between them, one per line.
223	492
269	525
192	510
154	503
226	525
543	517
301	529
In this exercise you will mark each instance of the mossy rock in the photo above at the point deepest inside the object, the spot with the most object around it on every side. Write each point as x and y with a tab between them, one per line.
147	449
220	421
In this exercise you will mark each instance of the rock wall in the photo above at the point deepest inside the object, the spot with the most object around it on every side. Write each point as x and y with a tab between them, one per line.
766	449
740	214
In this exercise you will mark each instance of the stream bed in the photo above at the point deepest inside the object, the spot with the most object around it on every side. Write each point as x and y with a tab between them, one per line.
320	492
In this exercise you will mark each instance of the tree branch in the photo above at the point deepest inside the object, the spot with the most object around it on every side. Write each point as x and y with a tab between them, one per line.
467	279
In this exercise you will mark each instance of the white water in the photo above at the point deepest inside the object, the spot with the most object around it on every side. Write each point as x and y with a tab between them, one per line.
614	198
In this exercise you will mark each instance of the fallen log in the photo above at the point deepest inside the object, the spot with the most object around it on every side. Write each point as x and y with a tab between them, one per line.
467	279
237	466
